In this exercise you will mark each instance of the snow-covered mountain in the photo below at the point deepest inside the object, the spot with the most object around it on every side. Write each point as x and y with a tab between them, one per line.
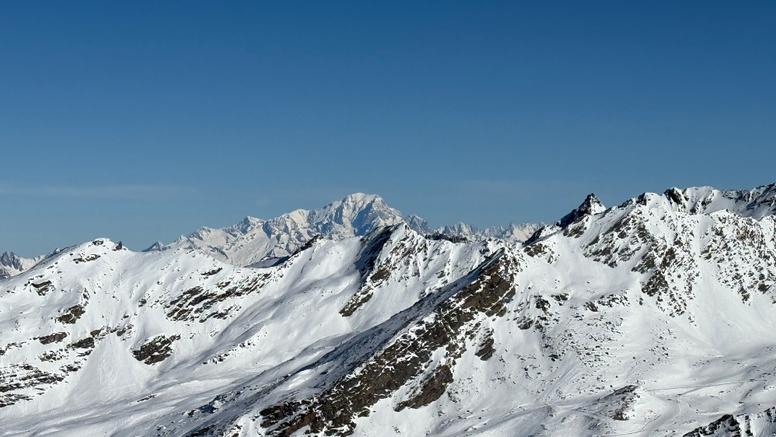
12	264
655	317
512	232
757	203
261	242
257	242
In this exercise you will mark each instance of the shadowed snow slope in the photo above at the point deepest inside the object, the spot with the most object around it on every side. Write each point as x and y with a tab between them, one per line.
655	317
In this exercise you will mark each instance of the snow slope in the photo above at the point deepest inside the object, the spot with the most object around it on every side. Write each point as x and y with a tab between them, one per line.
655	317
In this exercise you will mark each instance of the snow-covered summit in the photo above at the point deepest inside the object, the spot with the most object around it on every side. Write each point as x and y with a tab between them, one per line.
256	240
590	206
259	242
756	203
511	232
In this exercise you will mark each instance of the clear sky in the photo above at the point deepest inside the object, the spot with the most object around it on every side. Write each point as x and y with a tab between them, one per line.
145	120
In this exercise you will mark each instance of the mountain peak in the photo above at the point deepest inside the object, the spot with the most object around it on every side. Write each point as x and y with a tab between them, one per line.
359	197
418	224
253	240
590	206
355	202
355	214
12	264
10	259
156	247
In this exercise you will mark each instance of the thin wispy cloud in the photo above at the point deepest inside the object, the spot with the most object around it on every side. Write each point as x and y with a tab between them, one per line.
120	191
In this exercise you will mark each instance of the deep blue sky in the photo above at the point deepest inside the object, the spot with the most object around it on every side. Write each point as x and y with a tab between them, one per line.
144	120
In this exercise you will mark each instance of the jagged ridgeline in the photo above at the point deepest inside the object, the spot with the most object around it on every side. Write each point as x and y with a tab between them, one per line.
654	317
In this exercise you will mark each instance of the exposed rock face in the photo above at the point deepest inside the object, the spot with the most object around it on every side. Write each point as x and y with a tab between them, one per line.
655	317
155	350
432	326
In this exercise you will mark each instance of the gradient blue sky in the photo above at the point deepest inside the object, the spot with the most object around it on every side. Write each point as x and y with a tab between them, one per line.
144	120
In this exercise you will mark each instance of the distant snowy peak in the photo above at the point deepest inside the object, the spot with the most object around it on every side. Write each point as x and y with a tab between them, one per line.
512	232
356	214
157	246
259	242
10	259
12	264
419	224
254	241
458	230
360	212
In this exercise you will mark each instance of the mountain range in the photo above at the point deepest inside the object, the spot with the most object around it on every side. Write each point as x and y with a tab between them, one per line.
257	242
653	317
